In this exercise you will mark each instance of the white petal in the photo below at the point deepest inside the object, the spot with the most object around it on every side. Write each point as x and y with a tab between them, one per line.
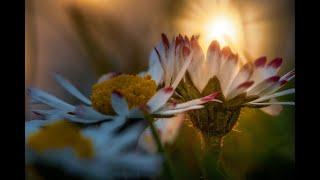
48	99
167	128
278	94
182	71
170	65
197	68
242	76
271	69
71	89
240	89
256	89
85	112
159	99
135	113
176	111
119	104
259	65
288	76
129	137
107	76
228	71
170	128
213	59
76	119
198	101
110	126
273	103
49	114
273	110
155	68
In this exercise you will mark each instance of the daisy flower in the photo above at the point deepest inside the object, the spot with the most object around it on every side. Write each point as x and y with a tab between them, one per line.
95	152
127	96
165	62
254	84
117	94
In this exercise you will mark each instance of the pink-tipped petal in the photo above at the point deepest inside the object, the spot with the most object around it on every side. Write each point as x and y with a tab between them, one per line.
176	111
288	76
276	63
226	52
183	69
199	101
244	75
108	76
213	59
260	87
273	110
228	72
159	99
210	97
186	51
246	84
214	46
278	94
165	40
260	62
273	79
240	89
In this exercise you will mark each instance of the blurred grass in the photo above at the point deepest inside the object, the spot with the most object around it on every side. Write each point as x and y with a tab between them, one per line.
100	61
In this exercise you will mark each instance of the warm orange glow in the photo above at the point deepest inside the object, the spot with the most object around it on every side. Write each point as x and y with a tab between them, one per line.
214	21
221	28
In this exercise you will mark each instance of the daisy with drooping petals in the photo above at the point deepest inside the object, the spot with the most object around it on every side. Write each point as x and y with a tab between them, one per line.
165	62
241	85
95	152
253	85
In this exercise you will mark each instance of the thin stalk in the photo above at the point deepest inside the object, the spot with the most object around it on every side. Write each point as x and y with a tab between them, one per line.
161	149
212	144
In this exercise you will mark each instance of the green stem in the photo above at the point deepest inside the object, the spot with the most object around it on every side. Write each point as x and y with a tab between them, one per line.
213	145
168	163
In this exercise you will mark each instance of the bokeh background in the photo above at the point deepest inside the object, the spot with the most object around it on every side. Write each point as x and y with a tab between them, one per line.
82	39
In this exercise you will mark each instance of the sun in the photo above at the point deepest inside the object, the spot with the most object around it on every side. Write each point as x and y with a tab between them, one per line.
213	21
221	28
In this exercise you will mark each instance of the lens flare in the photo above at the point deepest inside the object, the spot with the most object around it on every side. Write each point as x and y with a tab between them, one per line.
222	29
214	21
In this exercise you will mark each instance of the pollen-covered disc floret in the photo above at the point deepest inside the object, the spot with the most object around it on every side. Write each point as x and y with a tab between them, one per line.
58	135
135	89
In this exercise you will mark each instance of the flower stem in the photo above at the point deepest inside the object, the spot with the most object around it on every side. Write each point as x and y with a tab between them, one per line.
161	149
213	145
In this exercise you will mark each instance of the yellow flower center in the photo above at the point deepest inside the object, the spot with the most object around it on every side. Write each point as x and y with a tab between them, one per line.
61	134
135	89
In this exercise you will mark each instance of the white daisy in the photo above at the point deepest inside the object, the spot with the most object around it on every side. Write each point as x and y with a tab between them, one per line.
241	85
95	152
117	95
165	62
129	96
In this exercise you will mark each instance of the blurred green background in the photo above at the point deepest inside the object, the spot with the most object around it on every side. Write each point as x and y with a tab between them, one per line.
82	39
